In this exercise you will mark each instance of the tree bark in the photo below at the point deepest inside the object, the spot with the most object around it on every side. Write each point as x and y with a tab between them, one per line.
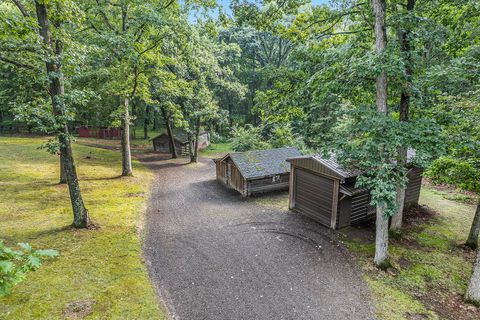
197	134
63	173
472	240
57	88
145	122
473	290
126	153
190	147
171	138
405	47
381	238
155	124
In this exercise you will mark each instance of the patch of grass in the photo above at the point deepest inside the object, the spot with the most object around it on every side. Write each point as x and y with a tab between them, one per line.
217	150
430	269
275	200
101	269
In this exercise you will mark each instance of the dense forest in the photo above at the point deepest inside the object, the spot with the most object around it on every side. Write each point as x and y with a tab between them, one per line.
363	81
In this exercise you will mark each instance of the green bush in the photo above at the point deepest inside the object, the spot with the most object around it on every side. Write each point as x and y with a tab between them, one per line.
458	172
247	138
15	264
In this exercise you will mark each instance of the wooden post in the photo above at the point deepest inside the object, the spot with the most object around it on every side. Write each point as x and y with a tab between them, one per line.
336	185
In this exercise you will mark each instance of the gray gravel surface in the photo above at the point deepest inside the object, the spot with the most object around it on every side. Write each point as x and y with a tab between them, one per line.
212	254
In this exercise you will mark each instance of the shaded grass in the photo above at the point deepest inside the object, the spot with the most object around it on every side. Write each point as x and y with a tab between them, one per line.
430	268
103	266
217	150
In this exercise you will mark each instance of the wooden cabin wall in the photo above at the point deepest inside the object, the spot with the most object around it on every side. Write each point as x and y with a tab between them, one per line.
361	208
221	171
266	184
236	179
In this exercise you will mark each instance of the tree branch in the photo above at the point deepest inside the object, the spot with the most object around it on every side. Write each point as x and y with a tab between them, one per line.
20	7
18	64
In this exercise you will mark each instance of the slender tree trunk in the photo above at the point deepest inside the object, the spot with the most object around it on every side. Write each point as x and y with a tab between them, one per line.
190	147
145	122
472	240
63	173
197	134
381	239
171	139
473	290
126	153
405	46
57	88
155	123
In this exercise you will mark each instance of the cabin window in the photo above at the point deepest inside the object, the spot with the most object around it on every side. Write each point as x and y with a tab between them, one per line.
276	178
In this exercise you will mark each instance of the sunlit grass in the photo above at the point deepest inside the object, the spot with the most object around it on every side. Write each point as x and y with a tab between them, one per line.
102	266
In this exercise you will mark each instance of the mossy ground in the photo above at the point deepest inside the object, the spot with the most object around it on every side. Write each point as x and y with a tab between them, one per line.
101	270
430	267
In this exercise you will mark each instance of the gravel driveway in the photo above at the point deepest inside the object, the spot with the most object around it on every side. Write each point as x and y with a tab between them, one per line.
214	255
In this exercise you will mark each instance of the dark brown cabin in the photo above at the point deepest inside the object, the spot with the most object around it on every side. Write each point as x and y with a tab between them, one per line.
255	171
323	191
161	143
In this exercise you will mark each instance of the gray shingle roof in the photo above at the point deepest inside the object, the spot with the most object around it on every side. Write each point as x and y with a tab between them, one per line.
260	163
332	164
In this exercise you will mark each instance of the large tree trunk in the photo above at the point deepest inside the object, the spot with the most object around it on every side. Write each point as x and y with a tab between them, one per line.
155	123
171	138
405	46
381	239
126	153
472	240
55	76
473	290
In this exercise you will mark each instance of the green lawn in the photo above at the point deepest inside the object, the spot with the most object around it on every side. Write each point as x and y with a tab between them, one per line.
217	150
100	273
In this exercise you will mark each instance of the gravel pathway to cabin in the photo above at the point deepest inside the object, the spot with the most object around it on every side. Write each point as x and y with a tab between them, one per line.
213	255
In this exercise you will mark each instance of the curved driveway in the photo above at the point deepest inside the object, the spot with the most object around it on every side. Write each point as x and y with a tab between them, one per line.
214	255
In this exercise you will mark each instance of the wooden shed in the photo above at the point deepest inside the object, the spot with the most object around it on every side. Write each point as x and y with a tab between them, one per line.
323	191
161	142
256	171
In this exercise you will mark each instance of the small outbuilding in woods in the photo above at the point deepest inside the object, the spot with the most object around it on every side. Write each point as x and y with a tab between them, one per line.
256	171
162	143
323	191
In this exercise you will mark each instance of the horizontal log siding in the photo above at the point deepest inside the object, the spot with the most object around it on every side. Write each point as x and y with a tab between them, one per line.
267	183
361	208
412	192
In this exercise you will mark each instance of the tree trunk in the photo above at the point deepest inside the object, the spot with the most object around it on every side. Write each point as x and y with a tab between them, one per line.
405	46
171	139
155	123
55	76
473	290
126	153
381	242
63	173
472	240
190	147
197	134
145	122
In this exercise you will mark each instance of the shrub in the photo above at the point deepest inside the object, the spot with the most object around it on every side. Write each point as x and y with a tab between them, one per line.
247	138
458	172
15	264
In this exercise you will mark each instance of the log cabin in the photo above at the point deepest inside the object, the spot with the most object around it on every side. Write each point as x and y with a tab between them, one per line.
256	171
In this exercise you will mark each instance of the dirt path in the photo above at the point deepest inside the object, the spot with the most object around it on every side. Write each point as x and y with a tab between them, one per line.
213	255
